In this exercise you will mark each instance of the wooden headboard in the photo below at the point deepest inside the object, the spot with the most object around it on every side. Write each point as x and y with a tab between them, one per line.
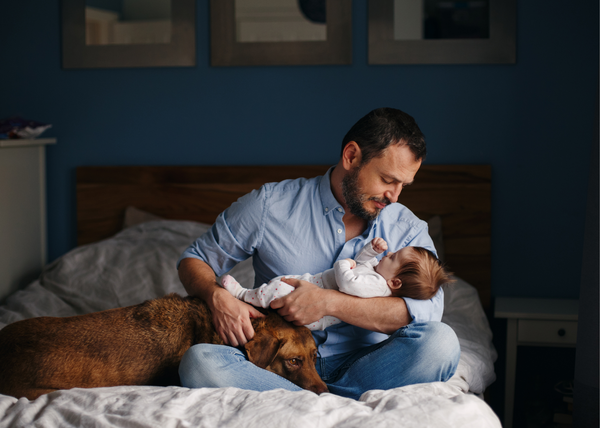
460	194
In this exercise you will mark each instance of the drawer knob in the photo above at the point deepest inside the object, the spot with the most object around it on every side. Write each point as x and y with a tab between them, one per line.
561	332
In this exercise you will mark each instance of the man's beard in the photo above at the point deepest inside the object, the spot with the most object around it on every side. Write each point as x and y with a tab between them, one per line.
355	200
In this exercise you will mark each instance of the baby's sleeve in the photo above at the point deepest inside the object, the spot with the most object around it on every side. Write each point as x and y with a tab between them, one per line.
367	255
360	281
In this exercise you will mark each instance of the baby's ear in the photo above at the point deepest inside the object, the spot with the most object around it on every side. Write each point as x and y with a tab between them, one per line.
394	283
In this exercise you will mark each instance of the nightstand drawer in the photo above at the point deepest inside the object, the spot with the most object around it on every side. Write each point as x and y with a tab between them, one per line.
550	332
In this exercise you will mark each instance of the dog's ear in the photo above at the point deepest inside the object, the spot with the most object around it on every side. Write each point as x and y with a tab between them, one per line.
262	349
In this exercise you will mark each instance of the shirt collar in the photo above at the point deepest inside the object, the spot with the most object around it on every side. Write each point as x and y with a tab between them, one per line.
327	199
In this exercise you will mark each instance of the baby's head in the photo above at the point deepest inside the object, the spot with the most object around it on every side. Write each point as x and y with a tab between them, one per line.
413	272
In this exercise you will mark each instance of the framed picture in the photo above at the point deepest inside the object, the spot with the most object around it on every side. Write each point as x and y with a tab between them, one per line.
442	32
280	32
97	34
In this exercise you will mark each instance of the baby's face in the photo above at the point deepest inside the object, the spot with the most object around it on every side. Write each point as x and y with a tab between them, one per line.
391	263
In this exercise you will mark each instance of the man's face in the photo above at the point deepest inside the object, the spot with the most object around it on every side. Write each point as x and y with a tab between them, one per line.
369	188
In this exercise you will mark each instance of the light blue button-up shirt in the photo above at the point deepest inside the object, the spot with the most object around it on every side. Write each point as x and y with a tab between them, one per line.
294	227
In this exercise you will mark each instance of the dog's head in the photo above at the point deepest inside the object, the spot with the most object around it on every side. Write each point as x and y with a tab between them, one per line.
286	350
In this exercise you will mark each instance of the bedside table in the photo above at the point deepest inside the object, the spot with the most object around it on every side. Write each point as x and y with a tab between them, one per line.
533	322
22	212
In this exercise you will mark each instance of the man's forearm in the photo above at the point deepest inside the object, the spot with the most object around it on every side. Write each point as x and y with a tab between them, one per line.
198	279
382	314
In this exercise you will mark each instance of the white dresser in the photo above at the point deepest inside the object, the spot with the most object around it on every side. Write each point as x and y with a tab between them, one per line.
22	212
533	322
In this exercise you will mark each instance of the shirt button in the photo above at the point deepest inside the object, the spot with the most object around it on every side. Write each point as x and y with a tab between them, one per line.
339	230
340	210
326	209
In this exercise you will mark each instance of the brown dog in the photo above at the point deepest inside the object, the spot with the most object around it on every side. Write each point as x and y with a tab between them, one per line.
139	345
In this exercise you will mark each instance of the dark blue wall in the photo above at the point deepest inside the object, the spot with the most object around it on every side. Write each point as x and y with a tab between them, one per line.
533	122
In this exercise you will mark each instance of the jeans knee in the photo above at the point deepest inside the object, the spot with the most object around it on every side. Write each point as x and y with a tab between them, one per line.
443	337
438	350
201	365
196	355
444	347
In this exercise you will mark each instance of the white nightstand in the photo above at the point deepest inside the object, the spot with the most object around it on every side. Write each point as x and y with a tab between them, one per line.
22	212
533	322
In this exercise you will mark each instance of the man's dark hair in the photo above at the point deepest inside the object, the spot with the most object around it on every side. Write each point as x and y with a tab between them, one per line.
383	127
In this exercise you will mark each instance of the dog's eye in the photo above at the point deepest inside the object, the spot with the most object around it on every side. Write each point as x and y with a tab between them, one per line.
295	361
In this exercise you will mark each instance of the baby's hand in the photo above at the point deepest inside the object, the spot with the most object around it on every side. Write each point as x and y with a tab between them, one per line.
379	245
352	263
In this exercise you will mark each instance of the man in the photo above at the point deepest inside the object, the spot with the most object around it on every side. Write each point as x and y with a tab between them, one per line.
306	225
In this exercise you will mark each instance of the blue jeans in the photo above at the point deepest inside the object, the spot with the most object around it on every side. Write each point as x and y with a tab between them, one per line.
416	353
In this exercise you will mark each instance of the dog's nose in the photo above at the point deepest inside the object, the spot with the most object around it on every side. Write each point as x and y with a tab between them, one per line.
320	389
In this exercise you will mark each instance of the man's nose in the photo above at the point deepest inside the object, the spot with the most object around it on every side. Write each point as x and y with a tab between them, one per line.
394	193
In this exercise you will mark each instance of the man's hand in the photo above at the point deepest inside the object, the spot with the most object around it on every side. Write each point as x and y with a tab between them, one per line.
379	245
306	304
231	318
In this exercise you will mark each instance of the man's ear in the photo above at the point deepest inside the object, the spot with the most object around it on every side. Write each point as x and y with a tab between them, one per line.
351	155
394	283
262	349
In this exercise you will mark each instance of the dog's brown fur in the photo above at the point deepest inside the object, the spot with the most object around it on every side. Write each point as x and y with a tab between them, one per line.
138	345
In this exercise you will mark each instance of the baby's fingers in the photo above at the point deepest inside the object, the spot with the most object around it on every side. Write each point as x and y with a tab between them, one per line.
379	245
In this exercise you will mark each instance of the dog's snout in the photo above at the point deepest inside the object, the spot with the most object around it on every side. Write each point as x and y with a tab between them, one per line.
317	385
320	389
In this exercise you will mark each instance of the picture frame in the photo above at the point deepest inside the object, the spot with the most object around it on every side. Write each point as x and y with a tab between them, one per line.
498	48
227	51
179	52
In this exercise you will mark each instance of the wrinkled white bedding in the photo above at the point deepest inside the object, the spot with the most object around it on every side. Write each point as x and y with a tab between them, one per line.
139	264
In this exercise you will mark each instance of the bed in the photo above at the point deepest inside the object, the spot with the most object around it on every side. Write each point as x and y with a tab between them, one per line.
134	222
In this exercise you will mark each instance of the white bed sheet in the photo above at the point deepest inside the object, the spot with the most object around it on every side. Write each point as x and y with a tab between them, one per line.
139	264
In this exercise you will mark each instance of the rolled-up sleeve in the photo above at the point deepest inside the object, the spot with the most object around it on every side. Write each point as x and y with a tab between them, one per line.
431	309
426	310
234	236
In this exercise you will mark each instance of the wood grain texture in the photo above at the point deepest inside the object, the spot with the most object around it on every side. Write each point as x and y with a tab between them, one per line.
459	194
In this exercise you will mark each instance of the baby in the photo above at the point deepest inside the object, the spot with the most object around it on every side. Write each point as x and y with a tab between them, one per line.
412	272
